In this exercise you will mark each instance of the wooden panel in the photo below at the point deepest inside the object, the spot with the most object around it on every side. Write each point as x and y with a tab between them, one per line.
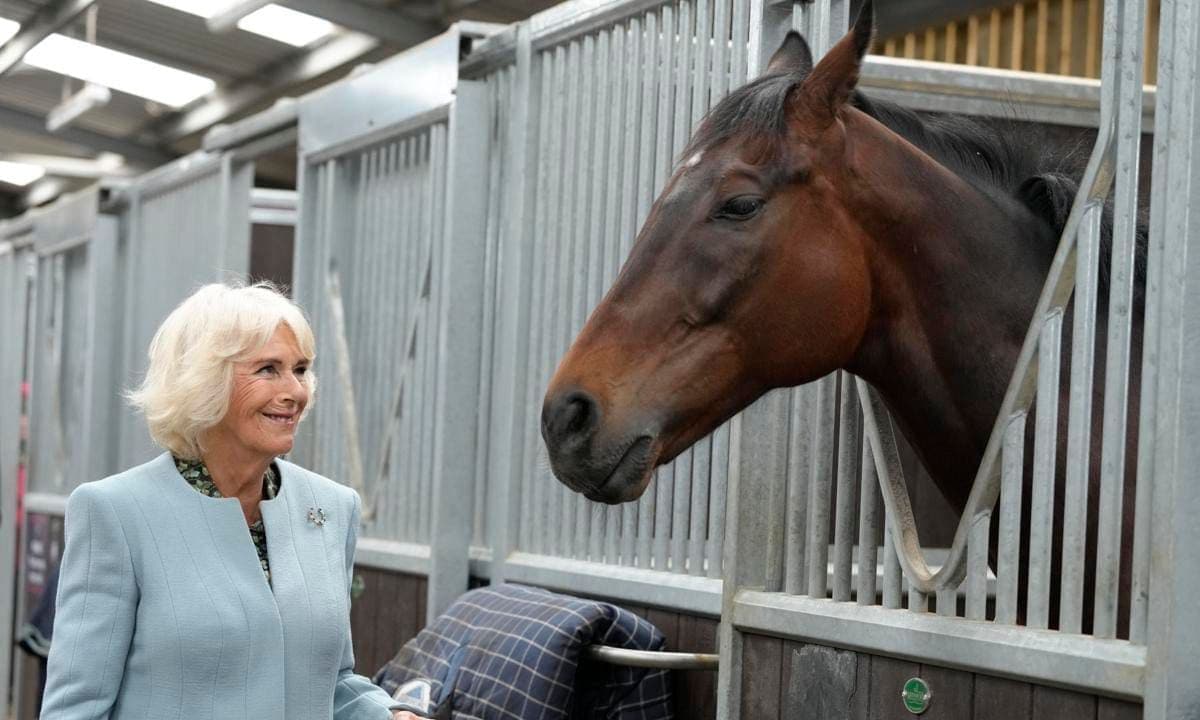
1055	704
762	659
950	691
1116	710
389	613
1001	699
822	683
696	690
887	680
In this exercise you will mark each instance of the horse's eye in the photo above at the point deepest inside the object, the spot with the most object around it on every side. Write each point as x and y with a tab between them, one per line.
742	207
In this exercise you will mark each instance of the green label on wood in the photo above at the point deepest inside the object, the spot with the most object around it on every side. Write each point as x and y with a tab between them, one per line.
916	696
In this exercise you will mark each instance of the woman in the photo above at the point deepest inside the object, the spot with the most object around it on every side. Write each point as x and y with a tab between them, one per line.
212	582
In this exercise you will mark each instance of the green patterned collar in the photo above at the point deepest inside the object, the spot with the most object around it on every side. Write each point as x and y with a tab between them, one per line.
196	474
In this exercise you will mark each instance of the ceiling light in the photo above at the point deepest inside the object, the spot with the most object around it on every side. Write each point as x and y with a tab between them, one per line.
273	21
286	26
20	174
119	71
8	28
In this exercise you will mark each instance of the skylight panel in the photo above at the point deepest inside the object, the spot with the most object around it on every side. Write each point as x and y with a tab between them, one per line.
119	71
8	28
20	174
286	25
273	21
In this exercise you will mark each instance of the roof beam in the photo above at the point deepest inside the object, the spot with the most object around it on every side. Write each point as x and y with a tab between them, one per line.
49	20
226	102
34	124
389	26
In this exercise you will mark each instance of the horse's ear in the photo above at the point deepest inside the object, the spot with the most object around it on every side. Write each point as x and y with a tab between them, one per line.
832	81
794	57
1049	196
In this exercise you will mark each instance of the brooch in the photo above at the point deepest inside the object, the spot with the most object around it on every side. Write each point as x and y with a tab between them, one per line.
317	516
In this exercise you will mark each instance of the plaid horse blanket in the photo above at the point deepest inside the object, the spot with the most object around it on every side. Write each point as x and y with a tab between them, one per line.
512	652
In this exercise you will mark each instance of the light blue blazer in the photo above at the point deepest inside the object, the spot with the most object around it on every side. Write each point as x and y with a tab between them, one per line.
164	610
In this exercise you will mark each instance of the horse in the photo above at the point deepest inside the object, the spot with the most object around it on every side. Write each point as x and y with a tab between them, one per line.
810	229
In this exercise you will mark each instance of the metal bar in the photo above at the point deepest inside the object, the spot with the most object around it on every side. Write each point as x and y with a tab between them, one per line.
1129	18
1009	543
820	485
800	458
702	478
1045	444
1079	431
718	500
891	566
683	66
649	110
630	215
703	70
977	567
868	528
739	54
581	117
849	453
720	50
651	659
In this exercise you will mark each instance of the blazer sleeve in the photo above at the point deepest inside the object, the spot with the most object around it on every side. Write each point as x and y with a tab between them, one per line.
96	609
356	697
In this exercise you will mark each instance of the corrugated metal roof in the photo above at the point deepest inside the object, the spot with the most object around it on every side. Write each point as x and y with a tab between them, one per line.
38	92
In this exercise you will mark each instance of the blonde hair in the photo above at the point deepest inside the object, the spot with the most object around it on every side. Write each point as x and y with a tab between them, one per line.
189	380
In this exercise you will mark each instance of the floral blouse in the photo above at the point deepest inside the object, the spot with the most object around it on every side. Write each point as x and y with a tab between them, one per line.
196	474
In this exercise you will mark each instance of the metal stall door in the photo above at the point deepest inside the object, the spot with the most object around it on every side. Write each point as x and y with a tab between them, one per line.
594	102
388	266
16	257
185	224
74	396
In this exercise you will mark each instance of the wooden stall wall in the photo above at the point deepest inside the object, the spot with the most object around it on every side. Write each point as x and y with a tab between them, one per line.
43	550
785	680
387	609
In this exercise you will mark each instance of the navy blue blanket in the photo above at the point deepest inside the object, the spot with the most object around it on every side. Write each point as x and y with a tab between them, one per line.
512	652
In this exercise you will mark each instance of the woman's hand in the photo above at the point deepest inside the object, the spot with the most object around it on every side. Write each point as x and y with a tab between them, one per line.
404	715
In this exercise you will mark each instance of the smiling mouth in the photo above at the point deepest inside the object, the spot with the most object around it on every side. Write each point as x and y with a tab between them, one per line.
284	420
629	472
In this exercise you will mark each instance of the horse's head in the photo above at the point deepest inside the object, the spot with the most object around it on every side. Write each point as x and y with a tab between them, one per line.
749	274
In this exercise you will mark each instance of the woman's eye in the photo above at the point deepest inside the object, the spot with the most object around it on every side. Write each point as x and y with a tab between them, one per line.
742	207
301	370
266	370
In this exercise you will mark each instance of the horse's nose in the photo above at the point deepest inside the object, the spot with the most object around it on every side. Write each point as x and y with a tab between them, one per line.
569	419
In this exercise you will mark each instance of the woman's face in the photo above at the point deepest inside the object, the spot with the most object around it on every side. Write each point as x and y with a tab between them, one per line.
267	399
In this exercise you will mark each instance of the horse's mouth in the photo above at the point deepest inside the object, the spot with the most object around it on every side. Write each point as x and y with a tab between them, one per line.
629	477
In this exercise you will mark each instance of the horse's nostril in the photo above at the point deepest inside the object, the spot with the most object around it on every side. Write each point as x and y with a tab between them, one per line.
570	416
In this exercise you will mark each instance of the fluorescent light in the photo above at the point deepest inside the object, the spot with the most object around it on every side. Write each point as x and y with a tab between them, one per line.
119	71
286	25
8	28
273	21
20	174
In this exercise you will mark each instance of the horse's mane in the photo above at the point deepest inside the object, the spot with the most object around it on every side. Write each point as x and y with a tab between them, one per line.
994	156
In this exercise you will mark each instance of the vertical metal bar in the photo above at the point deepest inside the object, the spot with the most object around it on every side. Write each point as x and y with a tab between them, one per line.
741	43
891	568
649	111
1042	500
850	442
1008	565
582	111
820	486
977	566
868	528
701	478
703	69
666	99
1130	18
664	494
717	501
683	89
800	458
1079	431
720	50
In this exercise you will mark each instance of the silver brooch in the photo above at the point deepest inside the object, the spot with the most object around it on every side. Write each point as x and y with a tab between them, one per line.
317	516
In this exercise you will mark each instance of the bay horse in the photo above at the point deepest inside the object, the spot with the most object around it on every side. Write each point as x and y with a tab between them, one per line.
810	229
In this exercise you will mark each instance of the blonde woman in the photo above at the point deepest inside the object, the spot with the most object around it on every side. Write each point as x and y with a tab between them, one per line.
212	582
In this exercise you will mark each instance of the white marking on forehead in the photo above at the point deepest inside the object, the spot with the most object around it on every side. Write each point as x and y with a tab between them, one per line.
694	160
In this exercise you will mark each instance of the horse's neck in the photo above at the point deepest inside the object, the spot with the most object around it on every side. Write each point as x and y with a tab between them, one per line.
956	275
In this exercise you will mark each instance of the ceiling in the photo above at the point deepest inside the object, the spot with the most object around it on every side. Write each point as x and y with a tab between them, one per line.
250	72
